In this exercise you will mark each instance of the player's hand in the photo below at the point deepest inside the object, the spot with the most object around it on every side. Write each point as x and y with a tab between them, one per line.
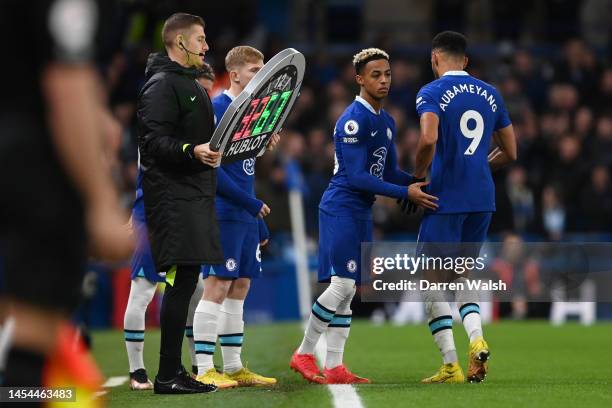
421	198
265	210
273	141
264	243
204	154
407	206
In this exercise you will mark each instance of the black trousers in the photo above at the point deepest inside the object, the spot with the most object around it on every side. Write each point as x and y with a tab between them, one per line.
175	305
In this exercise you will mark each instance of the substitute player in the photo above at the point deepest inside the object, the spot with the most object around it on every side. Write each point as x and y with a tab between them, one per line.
144	283
458	115
240	216
145	279
365	165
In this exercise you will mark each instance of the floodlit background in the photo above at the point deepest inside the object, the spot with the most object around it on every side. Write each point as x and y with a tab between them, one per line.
551	61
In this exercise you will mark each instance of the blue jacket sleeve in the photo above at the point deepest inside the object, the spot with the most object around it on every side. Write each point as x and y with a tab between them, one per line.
264	233
392	171
355	162
230	191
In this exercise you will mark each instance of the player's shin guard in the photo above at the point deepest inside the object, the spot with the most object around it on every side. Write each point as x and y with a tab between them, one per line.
441	326
141	294
467	303
338	332
231	334
205	333
323	311
193	303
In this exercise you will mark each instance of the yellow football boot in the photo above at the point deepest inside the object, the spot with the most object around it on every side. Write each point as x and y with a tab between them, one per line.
449	373
478	356
246	378
216	378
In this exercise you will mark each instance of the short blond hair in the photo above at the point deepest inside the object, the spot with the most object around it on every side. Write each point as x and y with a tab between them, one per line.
243	54
369	54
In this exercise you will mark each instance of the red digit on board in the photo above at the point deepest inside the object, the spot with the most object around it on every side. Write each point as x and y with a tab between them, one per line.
256	115
246	120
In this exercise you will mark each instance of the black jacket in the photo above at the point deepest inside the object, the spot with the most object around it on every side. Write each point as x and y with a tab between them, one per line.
174	114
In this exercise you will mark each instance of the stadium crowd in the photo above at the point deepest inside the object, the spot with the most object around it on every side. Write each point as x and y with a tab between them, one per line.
556	80
561	108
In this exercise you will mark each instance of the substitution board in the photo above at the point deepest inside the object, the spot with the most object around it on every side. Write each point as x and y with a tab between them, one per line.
261	108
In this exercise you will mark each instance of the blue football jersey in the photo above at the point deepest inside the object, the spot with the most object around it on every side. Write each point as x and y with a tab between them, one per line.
242	172
469	111
359	125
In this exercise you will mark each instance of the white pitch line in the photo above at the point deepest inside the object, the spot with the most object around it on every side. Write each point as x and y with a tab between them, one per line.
344	395
115	381
111	382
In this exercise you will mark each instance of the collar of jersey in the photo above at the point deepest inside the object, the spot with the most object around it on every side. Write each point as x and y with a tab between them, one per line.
229	95
455	73
366	104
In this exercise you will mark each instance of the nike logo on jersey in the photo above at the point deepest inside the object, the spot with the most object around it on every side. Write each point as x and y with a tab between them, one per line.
373	133
192	98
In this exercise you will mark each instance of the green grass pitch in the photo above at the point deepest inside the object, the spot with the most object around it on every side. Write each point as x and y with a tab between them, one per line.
532	365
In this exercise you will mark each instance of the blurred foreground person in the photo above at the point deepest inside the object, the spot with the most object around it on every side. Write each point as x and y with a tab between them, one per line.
57	194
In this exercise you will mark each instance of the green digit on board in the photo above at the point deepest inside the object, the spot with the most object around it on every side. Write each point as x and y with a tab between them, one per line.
279	109
264	115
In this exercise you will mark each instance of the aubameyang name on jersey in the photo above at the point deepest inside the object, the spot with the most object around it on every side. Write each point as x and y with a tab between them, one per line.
449	94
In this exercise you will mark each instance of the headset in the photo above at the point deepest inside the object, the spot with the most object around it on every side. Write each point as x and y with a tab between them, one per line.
201	54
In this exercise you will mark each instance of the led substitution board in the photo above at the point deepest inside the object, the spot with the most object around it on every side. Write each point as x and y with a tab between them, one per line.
261	108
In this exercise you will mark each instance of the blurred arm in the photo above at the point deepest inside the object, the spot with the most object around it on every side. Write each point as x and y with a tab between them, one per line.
74	114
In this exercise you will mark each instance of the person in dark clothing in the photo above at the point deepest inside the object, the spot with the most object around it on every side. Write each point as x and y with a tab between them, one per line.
175	123
58	201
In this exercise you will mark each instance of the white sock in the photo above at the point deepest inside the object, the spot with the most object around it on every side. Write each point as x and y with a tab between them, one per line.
231	334
467	302
338	332
205	334
470	315
441	327
141	294
323	311
193	303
